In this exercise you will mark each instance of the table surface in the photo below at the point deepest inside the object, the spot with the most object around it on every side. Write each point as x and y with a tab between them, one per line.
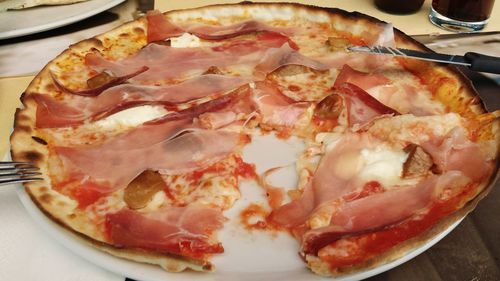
470	252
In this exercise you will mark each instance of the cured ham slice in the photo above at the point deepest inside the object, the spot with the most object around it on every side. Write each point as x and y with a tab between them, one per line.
113	81
275	108
167	64
278	57
361	107
378	211
296	212
75	110
234	102
183	231
332	180
160	28
403	97
455	152
382	36
239	108
363	80
210	32
114	164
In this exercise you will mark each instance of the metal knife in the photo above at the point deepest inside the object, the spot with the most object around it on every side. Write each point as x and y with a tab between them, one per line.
436	38
474	61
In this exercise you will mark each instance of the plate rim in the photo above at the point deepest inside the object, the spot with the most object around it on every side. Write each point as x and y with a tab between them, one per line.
55	24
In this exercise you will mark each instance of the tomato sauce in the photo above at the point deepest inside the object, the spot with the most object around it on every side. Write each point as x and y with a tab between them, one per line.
369	188
283	134
245	170
241	169
86	194
260	216
294	88
325	124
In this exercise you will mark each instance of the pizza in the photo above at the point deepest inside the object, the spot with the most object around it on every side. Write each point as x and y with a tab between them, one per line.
140	134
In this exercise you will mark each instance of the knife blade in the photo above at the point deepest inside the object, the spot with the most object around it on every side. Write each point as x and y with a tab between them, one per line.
474	61
436	38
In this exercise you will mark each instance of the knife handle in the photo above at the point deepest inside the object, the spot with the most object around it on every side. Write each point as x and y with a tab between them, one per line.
483	63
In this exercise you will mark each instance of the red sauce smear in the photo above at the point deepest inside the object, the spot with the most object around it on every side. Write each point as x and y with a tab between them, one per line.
369	188
245	170
294	88
284	134
259	215
86	194
372	244
325	124
242	169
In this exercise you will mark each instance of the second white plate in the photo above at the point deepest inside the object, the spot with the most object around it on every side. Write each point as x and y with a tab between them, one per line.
14	23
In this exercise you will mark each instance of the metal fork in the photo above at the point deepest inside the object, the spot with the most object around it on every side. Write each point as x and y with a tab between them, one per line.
16	172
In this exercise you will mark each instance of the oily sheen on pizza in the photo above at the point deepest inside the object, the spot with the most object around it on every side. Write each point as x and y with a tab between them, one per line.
139	133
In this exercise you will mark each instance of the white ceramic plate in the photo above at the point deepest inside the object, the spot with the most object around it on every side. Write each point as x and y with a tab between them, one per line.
28	21
248	255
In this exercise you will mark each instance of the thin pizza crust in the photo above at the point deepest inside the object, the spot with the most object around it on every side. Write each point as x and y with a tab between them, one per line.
27	143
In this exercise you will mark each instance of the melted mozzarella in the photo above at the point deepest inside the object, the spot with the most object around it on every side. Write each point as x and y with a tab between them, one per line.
382	165
132	116
186	40
156	202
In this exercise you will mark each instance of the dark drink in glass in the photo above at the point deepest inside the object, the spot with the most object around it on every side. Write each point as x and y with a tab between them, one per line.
399	6
461	15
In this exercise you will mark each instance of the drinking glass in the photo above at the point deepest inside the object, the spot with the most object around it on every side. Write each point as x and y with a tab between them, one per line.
399	6
461	15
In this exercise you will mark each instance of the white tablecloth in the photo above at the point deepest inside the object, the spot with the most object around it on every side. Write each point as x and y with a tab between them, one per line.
28	253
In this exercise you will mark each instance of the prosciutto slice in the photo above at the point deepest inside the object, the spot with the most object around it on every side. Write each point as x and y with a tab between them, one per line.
241	107
114	164
361	107
75	110
381	36
363	80
183	231
332	180
455	152
378	211
166	64
277	57
275	108
329	194
96	91
160	28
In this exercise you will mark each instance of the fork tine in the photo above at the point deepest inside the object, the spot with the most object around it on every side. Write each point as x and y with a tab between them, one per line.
15	172
31	174
21	174
18	175
23	169
28	169
13	163
11	181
